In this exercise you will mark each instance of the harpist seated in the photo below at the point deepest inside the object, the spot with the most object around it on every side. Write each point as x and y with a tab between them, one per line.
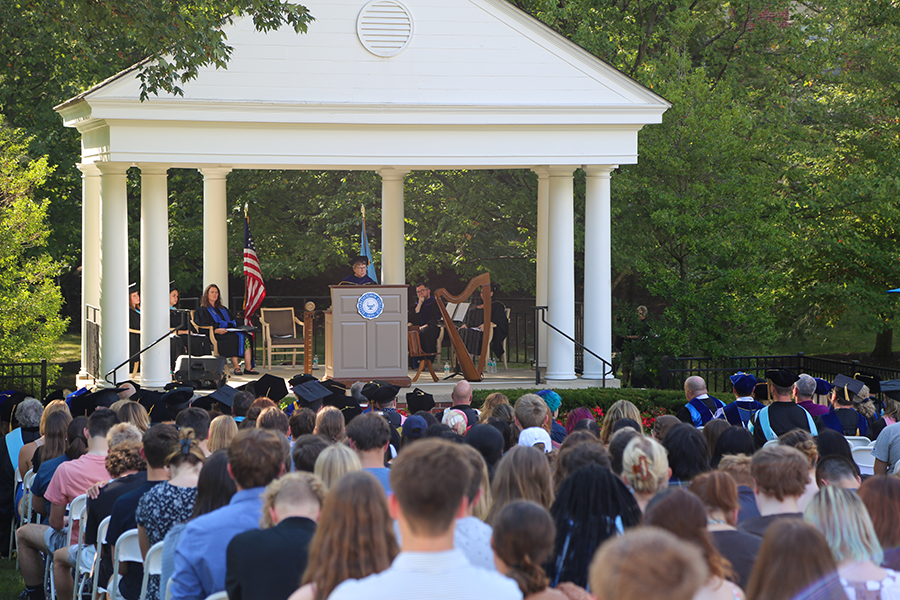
360	266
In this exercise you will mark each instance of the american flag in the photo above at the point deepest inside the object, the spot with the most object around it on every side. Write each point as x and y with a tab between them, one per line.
255	289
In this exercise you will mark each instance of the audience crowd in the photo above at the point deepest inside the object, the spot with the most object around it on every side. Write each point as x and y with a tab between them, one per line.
757	498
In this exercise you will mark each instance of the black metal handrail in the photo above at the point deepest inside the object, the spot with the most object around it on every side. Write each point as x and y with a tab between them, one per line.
16	372
542	310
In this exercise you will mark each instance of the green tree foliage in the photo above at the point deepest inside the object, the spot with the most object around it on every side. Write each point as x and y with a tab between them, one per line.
29	297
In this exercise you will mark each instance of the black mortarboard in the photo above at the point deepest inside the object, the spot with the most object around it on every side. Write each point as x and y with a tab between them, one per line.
271	387
761	391
172	286
310	394
346	404
8	402
155	406
301	378
417	400
891	388
224	395
782	377
359	258
849	386
85	404
872	381
54	395
177	400
133	287
383	394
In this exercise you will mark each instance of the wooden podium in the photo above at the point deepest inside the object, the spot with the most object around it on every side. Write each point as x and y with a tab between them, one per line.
365	334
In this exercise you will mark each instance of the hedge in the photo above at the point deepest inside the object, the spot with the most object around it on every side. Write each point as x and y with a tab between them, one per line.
647	400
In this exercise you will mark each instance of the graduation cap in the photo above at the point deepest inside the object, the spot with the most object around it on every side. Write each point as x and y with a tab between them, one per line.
417	400
823	388
8	402
133	287
177	400
340	400
383	394
271	387
872	381
172	286
742	382
891	388
301	378
310	394
761	391
782	377
361	258
223	395
54	395
156	408
85	404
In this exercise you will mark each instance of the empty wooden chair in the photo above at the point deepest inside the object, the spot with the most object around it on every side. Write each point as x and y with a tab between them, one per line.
280	334
415	351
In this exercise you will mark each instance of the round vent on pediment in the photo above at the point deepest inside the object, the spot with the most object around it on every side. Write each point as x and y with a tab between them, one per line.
385	27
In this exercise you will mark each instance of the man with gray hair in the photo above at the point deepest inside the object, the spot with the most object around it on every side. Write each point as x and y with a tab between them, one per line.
700	406
803	391
28	417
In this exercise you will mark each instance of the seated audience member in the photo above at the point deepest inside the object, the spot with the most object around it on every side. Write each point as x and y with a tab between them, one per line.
588	425
890	394
197	420
712	431
617	444
804	389
832	443
222	430
330	424
887	450
267	564
369	436
780	474
738	466
16	444
70	480
734	440
648	563
134	413
414	429
837	470
522	474
718	493
553	401
744	406
354	537
621	409
127	467
682	513
802	441
54	444
473	535
429	481
302	422
487	409
700	406
531	411
255	458
522	541
487	440
782	415
215	487
29	455
334	462
461	397
171	502
457	422
794	563
275	420
536	437
881	495
383	398
843	416
844	521
76	446
574	456
688	454
259	405
241	404
591	506
306	451
645	468
579	414
159	442
662	425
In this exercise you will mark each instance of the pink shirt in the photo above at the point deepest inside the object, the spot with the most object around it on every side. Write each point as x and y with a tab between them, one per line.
73	478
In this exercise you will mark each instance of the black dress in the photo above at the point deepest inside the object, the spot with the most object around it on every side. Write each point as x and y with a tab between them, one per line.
134	339
229	343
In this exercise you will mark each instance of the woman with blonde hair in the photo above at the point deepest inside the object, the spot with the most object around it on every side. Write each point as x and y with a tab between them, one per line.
354	537
221	431
522	474
487	409
645	468
134	413
622	409
330	424
29	454
334	462
844	520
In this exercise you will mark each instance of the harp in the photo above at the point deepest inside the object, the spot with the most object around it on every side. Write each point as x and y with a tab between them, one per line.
470	371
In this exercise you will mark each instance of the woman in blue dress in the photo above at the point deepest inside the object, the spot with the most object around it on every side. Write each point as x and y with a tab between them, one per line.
231	343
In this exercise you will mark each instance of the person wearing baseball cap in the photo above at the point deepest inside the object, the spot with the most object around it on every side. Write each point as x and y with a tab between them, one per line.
782	415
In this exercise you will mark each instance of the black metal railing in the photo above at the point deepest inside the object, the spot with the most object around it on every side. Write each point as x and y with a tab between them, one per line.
28	377
607	368
716	371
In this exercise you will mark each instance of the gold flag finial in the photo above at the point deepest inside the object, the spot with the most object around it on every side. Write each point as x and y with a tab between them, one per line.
362	209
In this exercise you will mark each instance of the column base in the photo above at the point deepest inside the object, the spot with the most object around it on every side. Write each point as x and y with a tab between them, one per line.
560	376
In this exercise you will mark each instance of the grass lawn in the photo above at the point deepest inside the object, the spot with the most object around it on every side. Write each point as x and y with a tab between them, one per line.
11	584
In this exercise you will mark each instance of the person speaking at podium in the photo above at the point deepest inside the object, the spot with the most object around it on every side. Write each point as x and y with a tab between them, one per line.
360	266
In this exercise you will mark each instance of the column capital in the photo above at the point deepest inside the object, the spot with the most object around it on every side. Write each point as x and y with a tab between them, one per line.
112	168
393	173
215	172
88	169
153	168
562	170
542	171
599	170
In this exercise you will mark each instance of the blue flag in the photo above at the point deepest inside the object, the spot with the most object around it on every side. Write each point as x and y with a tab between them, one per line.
365	251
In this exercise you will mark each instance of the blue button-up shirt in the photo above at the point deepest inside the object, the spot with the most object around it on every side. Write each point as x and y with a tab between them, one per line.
200	555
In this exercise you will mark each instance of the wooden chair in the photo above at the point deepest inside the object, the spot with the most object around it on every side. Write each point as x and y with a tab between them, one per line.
280	334
210	331
415	351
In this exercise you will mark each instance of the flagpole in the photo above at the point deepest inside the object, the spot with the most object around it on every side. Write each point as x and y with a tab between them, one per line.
246	224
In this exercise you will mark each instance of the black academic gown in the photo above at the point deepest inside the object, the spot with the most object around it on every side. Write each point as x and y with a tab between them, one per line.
475	317
134	339
229	343
429	315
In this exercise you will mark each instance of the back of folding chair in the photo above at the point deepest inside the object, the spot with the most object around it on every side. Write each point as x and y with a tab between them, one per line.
95	570
128	549
78	514
152	566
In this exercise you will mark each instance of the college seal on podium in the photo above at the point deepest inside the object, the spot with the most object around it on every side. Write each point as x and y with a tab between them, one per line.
370	305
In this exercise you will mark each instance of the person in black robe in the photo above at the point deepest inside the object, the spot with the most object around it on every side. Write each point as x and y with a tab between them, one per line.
474	322
360	265
180	323
134	323
427	316
230	343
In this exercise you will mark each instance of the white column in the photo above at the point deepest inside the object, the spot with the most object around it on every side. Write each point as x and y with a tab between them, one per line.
561	274
113	270
597	270
215	230
393	252
540	290
90	250
155	362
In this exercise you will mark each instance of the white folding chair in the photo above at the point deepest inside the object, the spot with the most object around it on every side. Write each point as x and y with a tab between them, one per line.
78	513
12	526
27	506
218	596
857	441
862	456
771	443
95	568
128	549
152	566
169	589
